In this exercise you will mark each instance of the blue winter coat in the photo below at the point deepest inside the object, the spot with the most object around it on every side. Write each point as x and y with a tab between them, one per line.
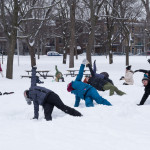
80	88
37	93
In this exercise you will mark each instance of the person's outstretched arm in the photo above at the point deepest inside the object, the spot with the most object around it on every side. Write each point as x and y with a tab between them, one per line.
141	70
94	66
33	77
80	74
144	98
91	70
56	68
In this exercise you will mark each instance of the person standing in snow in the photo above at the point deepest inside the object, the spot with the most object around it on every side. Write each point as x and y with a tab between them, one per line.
128	76
1	71
58	75
46	98
101	81
85	91
146	84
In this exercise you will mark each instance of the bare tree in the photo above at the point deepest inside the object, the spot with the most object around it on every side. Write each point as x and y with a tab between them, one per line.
31	24
63	27
146	4
94	9
9	15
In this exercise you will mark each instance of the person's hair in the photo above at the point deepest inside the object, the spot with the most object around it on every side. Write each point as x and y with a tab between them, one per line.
26	93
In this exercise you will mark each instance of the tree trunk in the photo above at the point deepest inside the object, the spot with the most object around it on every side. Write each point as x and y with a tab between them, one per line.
127	55
38	50
10	58
64	58
92	33
65	51
12	39
72	29
76	52
110	51
110	56
32	55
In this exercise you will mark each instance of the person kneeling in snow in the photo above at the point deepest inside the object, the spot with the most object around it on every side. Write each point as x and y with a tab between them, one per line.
146	84
128	76
85	91
46	98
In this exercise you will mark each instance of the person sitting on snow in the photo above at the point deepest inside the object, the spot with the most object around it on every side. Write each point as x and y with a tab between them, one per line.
128	76
58	75
146	84
101	81
46	98
85	91
146	72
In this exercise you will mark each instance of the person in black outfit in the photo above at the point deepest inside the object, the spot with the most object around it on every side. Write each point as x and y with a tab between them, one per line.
146	83
46	98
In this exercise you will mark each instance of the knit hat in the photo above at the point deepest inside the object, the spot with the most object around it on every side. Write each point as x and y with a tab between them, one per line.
145	78
128	67
26	96
69	87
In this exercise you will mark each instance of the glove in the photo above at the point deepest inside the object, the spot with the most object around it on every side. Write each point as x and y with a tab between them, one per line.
84	61
148	61
29	102
34	67
122	78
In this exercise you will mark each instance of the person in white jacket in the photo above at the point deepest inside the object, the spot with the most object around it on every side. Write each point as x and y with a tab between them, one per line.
128	76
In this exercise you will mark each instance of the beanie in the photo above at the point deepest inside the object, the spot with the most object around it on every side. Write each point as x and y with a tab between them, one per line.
145	78
69	87
128	67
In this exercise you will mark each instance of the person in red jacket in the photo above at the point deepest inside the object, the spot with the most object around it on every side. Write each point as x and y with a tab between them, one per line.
1	71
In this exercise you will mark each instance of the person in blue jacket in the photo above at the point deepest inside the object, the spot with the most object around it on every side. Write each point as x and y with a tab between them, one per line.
46	98
85	91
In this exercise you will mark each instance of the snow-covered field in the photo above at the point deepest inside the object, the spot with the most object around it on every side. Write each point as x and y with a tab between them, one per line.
123	126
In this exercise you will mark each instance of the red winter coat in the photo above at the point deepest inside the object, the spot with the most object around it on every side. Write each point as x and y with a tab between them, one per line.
0	68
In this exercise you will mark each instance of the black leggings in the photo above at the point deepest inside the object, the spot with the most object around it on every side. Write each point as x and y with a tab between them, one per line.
54	100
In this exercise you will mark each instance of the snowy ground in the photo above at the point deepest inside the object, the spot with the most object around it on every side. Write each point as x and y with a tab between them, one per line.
124	126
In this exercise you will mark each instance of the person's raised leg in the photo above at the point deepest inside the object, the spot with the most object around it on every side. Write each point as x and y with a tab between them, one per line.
54	99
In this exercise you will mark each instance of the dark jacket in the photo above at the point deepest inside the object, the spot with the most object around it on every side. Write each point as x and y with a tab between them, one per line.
37	93
96	81
146	94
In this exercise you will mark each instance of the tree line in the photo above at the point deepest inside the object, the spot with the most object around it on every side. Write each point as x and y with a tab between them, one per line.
26	19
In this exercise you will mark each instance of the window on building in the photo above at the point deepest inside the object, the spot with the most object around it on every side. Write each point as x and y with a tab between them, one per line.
60	40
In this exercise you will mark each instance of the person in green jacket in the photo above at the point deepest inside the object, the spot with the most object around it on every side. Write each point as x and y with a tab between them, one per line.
58	75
